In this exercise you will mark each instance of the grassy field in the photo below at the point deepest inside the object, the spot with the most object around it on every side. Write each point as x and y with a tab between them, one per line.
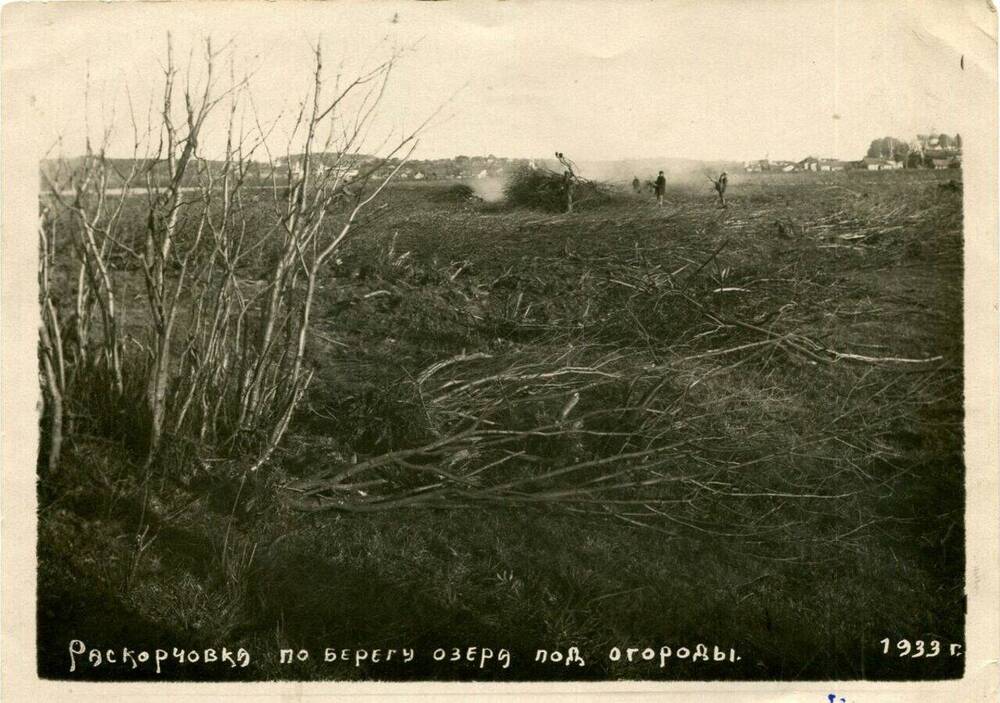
802	349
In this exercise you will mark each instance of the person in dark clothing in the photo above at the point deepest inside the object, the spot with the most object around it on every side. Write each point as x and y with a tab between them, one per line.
661	188
720	188
636	185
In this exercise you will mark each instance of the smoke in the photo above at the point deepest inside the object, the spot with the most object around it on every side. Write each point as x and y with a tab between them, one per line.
676	170
489	189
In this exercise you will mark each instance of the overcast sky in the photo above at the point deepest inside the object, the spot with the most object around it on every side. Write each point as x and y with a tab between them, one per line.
597	80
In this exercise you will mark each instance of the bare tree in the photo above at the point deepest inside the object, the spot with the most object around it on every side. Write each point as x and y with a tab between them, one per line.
229	252
51	343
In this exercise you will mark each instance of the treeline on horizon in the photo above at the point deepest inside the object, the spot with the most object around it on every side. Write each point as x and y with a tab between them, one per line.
886	147
913	153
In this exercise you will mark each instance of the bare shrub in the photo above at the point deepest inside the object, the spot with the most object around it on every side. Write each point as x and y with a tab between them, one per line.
224	264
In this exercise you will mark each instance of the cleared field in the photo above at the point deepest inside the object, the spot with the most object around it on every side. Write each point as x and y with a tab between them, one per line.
793	362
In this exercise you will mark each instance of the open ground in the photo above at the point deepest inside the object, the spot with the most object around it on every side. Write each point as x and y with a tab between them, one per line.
788	370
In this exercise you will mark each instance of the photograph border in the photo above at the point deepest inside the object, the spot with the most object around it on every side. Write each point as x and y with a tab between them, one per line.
972	26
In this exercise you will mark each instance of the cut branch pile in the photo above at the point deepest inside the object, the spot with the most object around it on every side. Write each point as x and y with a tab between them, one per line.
642	387
542	189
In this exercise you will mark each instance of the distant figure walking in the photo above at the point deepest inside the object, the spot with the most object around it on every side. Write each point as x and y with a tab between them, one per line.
661	188
720	187
636	185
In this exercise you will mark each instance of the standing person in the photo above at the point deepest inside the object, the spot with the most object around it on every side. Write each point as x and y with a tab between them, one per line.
567	163
636	185
661	188
568	189
720	187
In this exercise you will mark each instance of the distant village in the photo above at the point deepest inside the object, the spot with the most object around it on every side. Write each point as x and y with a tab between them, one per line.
459	168
935	151
929	151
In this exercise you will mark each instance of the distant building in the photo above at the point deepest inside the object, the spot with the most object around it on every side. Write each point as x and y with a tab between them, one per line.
948	162
872	163
832	165
936	151
810	163
337	172
482	174
942	158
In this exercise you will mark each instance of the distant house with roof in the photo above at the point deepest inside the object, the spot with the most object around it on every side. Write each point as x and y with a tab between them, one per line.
942	158
936	151
832	165
757	166
872	163
946	162
810	163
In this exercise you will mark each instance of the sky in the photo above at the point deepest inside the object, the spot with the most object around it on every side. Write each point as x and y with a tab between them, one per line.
596	80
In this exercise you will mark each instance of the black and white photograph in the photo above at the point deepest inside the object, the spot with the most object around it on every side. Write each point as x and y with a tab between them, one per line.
503	343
